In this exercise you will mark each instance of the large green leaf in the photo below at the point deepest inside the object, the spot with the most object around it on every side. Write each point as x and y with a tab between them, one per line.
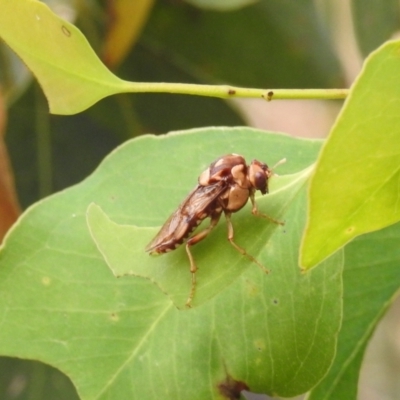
371	280
123	338
355	187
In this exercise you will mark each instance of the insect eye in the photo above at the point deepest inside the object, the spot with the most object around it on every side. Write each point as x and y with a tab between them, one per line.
260	182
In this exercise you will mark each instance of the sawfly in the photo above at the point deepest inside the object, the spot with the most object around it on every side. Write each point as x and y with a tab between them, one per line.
224	187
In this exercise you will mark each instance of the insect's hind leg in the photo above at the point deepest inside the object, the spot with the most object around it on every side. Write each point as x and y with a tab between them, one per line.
191	242
241	250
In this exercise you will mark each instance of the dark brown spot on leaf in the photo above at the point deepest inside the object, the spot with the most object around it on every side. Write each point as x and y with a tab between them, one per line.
66	31
231	388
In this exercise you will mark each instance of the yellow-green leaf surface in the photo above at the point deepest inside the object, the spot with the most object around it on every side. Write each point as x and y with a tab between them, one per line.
123	338
356	185
70	73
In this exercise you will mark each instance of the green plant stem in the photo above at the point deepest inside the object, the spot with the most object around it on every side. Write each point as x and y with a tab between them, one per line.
225	91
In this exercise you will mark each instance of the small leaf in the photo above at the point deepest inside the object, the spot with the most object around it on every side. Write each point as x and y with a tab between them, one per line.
355	187
70	73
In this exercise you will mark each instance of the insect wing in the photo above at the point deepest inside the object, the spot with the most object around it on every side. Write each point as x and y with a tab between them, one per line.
186	217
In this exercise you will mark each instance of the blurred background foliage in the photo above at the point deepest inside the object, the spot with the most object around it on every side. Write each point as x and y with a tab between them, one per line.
264	44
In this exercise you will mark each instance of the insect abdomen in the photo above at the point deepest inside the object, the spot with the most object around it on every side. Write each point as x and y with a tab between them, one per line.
182	232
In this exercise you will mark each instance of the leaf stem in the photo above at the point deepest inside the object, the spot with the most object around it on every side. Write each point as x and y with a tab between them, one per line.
225	91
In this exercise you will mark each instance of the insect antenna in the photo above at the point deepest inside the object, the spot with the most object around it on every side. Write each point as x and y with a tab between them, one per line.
280	162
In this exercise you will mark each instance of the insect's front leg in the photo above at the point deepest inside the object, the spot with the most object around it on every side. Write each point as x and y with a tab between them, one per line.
241	250
192	241
255	212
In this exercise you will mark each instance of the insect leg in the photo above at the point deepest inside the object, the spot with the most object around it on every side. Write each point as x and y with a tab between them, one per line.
241	250
191	242
255	212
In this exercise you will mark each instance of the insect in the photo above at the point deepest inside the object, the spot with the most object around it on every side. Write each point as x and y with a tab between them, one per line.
224	187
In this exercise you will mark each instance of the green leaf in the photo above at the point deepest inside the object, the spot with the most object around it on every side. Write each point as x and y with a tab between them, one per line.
355	187
69	71
371	279
123	338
